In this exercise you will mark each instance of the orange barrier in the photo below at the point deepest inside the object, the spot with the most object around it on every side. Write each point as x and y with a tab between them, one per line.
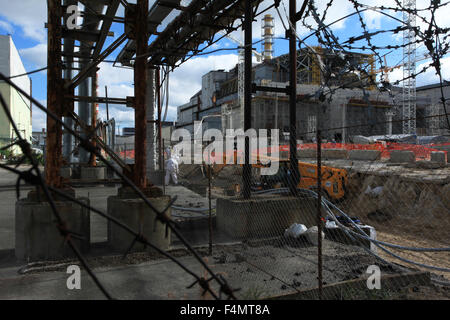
422	152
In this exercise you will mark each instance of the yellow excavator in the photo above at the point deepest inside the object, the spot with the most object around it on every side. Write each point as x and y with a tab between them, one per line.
334	180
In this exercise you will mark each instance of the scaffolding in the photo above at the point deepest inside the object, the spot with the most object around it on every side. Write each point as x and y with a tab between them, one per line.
409	69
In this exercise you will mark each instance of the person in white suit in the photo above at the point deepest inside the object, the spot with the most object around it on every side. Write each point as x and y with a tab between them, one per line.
172	170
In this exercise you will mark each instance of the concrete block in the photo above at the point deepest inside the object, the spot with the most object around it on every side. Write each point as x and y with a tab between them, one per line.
66	172
135	213
93	173
439	157
306	153
397	156
365	155
331	154
444	148
37	236
263	216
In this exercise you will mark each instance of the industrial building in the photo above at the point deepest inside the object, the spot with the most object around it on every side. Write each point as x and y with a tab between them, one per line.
219	97
433	117
20	107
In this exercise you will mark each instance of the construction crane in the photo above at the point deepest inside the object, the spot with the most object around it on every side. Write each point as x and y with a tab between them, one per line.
386	69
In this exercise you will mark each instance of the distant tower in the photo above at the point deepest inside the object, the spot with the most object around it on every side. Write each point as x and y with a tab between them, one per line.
267	26
409	68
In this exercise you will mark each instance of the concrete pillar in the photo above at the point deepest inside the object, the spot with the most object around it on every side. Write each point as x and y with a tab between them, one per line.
135	213
36	234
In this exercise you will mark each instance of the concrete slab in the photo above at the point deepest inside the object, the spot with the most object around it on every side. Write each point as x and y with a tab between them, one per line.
364	155
397	156
248	267
330	154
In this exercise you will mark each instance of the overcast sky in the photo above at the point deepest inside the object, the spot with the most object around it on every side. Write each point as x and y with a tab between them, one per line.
25	19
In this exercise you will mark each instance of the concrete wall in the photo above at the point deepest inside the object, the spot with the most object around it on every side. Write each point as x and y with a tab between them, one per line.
263	217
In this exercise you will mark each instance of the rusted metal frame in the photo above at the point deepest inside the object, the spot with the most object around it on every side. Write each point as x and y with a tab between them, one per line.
97	99
295	176
107	22
90	67
140	92
103	17
218	20
127	53
247	170
81	35
197	37
54	97
103	146
161	214
178	23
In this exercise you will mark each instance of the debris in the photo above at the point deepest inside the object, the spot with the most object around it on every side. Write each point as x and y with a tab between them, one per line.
311	235
295	230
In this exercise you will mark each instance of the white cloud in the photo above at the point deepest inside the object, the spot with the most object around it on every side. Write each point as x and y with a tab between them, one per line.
184	82
39	118
36	55
29	15
428	77
6	26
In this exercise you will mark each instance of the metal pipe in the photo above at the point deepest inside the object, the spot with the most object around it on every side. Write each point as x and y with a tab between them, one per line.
246	176
107	104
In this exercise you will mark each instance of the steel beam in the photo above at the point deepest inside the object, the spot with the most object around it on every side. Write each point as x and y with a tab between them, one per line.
54	97
295	174
247	171
140	93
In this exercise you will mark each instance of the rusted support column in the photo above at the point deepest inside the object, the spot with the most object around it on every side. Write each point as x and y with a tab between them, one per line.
140	92
53	149
247	171
93	157
293	99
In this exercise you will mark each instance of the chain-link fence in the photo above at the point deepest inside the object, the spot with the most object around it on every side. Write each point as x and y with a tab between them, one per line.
363	213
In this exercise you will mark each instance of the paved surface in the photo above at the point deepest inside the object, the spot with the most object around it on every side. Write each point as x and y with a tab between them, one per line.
260	271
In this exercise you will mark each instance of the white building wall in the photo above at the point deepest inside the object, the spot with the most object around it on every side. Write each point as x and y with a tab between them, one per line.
11	65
